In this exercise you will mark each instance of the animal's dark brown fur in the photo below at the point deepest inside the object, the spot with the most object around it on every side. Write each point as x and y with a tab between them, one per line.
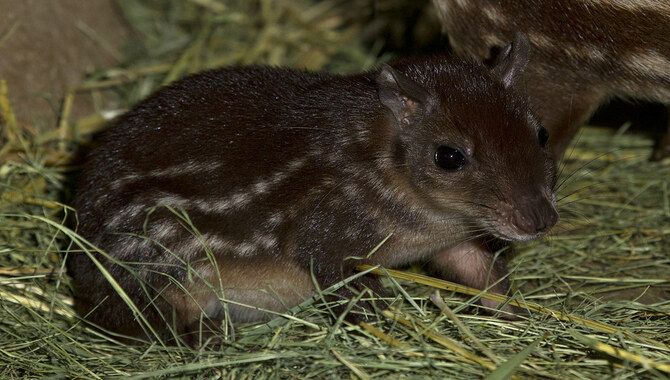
584	53
288	174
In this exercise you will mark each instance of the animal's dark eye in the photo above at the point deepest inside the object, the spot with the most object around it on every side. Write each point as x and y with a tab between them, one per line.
543	136
450	159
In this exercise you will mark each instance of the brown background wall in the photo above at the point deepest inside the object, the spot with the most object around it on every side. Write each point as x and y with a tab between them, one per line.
45	50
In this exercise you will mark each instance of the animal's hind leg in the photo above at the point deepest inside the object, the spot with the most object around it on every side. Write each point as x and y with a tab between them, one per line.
239	290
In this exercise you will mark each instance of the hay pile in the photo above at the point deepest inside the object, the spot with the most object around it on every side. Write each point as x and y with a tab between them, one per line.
602	278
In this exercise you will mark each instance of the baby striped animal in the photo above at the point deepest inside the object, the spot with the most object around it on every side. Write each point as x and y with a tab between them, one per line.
229	195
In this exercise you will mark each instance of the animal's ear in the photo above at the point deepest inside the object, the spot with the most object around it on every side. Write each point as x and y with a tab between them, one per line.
512	60
408	100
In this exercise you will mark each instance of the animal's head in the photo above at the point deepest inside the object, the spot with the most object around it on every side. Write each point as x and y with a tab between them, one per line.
469	143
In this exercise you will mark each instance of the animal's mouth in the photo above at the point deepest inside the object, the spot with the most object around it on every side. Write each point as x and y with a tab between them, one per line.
514	236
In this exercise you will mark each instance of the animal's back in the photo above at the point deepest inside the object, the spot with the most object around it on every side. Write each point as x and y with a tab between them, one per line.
232	151
210	134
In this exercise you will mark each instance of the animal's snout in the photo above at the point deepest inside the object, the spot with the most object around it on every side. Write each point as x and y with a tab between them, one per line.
535	217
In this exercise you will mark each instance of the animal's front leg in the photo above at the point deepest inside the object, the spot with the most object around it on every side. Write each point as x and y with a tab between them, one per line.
473	264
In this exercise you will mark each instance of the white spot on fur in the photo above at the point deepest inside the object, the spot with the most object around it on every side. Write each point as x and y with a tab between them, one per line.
129	248
266	241
163	231
118	183
595	53
275	219
463	4
493	14
648	62
219	244
128	212
541	40
653	5
591	53
236	201
246	248
296	164
261	187
187	168
588	52
491	39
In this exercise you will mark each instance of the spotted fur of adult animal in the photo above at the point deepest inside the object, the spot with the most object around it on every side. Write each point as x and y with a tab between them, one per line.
584	52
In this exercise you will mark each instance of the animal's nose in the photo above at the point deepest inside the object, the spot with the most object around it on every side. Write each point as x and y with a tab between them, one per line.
535	217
